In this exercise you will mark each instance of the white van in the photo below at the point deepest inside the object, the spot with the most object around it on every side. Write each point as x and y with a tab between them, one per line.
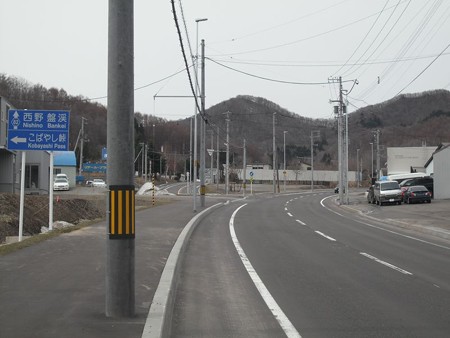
387	192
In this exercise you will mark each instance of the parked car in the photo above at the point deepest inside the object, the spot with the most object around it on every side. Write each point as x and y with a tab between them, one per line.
426	181
387	192
61	176
97	182
61	184
370	195
417	193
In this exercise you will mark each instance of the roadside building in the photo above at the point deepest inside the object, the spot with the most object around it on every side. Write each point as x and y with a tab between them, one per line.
7	157
441	175
407	159
64	162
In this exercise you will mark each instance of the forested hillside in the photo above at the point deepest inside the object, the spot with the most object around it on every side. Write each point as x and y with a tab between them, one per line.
407	120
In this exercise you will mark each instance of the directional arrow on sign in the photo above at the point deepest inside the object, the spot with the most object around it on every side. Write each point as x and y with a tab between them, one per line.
18	139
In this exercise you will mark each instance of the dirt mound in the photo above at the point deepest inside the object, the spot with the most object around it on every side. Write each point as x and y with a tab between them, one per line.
36	213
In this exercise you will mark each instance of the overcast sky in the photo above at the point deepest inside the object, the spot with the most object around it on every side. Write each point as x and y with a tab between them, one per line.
383	44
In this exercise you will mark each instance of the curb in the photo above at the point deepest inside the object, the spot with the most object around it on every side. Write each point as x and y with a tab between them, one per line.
158	322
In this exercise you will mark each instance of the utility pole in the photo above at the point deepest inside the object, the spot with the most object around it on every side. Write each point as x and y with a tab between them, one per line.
244	181
284	162
346	154
82	145
190	160
217	162
371	164
274	156
203	131
377	140
227	164
357	168
212	156
120	247
313	135
340	111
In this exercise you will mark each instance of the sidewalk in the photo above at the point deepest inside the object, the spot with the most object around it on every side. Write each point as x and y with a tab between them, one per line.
56	288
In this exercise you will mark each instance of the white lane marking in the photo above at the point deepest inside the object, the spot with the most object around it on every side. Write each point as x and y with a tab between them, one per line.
383	229
321	203
386	263
279	315
285	209
289	214
298	221
327	237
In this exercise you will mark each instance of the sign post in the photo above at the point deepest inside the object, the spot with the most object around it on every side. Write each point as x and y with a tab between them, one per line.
45	130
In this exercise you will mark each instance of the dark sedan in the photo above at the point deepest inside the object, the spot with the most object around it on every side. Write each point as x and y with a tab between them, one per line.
417	193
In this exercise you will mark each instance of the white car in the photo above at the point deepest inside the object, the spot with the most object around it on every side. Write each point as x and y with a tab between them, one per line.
97	182
61	184
61	176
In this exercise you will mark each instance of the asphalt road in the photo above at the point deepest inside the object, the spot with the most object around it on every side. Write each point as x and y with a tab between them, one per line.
323	273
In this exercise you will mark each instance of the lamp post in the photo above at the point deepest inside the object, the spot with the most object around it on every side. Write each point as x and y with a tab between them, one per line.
284	162
194	182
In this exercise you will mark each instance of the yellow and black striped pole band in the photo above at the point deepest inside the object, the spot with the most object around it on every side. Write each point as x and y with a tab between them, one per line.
121	211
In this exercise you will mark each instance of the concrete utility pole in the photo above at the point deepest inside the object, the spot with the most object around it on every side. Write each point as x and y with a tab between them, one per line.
340	111
313	135
227	164
377	140
211	154
120	248
203	132
190	160
194	182
284	162
83	121
244	181
217	161
274	156
371	162
346	155
357	168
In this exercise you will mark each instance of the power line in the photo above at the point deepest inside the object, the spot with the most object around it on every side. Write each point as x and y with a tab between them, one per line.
365	37
304	39
423	71
269	79
184	57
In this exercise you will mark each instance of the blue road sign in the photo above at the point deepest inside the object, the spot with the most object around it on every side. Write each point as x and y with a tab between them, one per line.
38	130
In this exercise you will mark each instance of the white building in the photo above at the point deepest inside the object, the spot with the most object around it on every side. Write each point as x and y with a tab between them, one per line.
403	159
441	166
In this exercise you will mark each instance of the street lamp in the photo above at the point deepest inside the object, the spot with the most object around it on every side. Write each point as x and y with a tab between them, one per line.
194	192
284	153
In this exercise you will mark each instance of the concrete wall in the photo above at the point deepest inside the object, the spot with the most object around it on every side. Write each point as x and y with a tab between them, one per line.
441	176
296	175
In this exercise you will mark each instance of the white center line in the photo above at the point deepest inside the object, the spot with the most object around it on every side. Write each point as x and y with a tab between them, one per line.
279	315
386	263
298	221
289	214
327	237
